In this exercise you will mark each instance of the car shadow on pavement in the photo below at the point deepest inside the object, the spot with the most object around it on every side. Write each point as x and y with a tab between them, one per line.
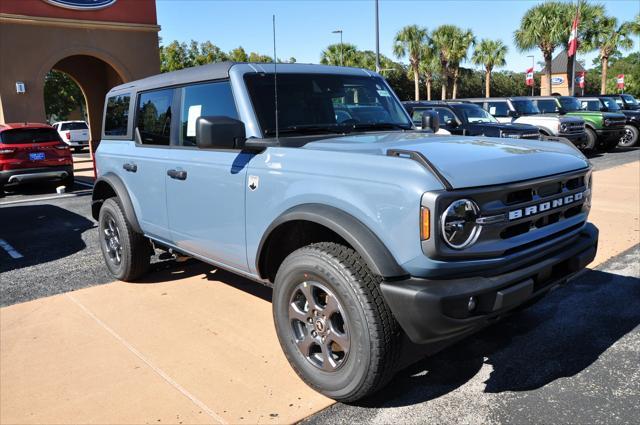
40	233
17	191
558	337
168	270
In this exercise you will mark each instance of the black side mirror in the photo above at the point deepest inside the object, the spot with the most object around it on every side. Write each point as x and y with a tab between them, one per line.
220	133
513	114
430	121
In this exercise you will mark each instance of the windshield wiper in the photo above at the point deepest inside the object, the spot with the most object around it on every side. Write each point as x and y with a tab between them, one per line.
378	126
307	129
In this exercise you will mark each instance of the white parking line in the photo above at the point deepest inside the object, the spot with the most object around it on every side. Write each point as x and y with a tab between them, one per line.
10	250
46	198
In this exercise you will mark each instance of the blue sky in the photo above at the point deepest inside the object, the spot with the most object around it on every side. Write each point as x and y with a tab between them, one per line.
304	26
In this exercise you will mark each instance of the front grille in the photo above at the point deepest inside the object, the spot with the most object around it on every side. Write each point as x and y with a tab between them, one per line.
573	128
519	216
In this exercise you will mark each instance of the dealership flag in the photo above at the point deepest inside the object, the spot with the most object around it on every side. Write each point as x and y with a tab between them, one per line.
530	77
620	81
573	39
580	79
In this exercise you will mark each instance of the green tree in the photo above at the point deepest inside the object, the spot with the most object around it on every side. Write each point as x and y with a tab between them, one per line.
543	26
429	65
258	58
608	37
61	96
408	42
345	54
442	40
462	40
238	55
174	56
490	54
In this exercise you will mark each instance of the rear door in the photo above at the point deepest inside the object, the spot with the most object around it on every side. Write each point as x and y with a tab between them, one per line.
206	200
143	166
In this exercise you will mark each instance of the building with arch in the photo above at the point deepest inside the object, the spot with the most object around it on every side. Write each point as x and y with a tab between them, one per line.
98	43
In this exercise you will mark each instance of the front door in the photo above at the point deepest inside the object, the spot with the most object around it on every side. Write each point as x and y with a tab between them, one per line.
206	187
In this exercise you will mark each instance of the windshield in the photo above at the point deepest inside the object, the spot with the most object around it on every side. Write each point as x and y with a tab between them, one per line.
474	114
570	104
525	107
630	99
321	103
547	106
610	104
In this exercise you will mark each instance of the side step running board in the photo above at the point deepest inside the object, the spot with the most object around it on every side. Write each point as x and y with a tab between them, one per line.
422	160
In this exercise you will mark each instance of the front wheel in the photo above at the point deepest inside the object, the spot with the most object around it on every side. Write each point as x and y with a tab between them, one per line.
630	137
592	139
333	324
126	253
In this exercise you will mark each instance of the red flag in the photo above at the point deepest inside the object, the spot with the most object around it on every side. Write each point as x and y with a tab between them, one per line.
580	79
620	81
529	78
573	39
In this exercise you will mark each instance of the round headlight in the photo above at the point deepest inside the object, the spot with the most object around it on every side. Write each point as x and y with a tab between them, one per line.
607	122
459	227
564	127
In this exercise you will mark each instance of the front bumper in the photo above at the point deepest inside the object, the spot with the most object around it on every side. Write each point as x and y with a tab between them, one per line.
575	138
610	134
436	310
31	174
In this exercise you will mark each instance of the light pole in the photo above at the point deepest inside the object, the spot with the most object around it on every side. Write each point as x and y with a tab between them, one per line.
377	39
533	84
341	46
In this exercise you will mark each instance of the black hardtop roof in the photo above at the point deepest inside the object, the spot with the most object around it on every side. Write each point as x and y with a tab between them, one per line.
220	70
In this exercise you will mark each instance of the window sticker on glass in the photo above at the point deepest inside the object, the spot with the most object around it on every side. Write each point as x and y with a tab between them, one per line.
492	110
383	93
194	112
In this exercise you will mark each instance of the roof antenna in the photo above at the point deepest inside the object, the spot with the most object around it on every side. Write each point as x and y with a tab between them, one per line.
275	76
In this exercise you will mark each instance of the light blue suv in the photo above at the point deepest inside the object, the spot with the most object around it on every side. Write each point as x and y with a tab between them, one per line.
313	180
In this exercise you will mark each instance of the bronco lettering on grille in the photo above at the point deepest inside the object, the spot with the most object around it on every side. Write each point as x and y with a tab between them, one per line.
545	206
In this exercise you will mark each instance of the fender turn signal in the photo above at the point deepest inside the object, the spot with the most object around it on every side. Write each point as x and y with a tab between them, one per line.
425	223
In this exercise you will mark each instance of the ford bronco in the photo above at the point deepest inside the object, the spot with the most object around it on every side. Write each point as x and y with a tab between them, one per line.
609	104
522	111
313	180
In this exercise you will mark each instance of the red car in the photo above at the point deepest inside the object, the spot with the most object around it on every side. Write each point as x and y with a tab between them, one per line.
32	151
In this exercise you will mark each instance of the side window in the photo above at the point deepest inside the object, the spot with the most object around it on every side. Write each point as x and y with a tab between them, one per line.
117	115
619	102
498	109
210	99
154	117
416	115
445	116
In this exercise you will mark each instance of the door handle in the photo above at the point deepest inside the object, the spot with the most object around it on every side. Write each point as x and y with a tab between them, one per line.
130	167
177	174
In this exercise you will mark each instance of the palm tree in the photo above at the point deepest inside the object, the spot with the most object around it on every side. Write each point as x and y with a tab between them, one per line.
460	48
489	53
608	38
543	26
333	54
442	41
409	41
429	65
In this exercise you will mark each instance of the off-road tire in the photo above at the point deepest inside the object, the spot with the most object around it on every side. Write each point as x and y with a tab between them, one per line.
136	251
374	333
631	138
592	140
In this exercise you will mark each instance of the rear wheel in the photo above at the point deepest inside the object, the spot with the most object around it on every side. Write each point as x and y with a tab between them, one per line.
126	253
68	181
332	322
630	137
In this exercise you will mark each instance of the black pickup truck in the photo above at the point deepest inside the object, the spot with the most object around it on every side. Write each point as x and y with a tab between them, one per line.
467	119
622	104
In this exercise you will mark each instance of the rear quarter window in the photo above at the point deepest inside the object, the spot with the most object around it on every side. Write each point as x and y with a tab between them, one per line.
29	135
116	120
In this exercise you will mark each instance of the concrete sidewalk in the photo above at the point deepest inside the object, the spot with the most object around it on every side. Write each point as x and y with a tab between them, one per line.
192	345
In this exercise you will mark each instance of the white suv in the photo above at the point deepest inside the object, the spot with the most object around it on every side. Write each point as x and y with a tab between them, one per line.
73	133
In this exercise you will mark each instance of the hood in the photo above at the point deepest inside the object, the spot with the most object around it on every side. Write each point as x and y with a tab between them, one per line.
469	161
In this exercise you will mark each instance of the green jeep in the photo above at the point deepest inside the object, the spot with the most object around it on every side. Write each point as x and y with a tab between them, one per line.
604	129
